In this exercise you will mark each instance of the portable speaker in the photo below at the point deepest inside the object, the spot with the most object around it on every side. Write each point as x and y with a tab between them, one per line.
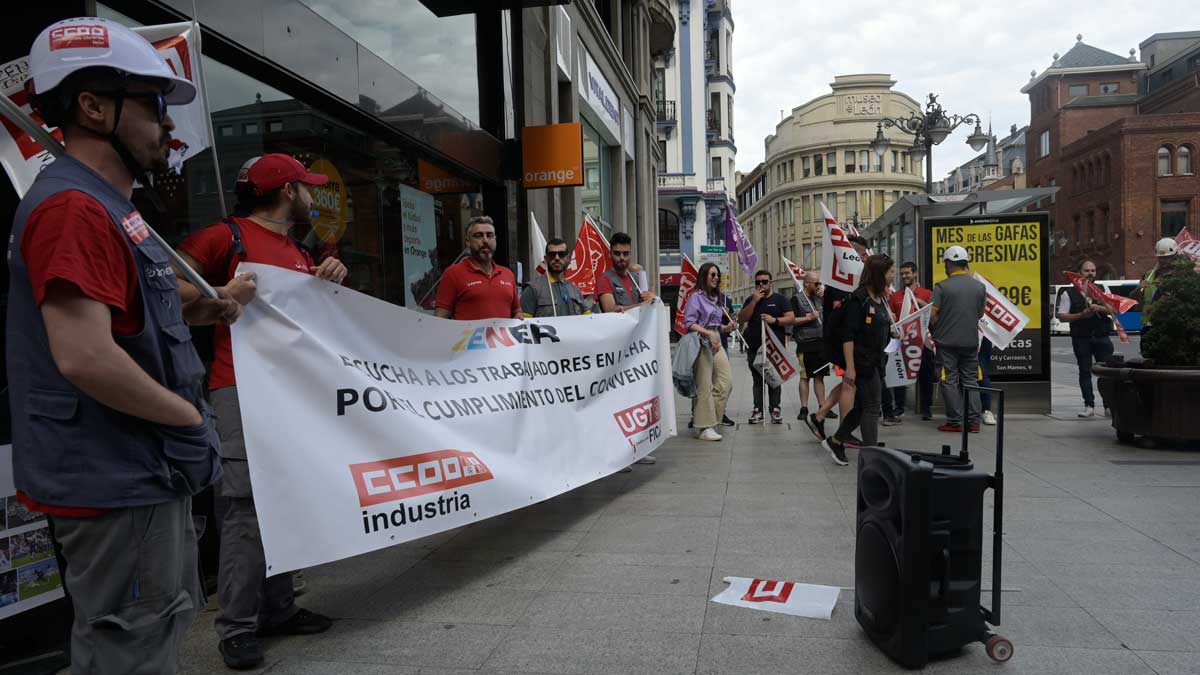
919	553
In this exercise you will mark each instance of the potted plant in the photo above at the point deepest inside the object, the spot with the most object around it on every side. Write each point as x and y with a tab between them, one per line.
1158	397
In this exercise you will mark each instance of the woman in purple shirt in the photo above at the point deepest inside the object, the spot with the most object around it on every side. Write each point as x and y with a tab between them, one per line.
704	314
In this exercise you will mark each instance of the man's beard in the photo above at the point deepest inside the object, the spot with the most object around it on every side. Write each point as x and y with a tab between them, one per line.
620	267
299	213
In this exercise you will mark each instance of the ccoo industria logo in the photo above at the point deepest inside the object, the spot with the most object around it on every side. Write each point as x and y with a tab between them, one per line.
493	337
639	423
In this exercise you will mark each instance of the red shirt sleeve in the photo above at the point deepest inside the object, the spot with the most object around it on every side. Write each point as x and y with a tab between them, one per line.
70	237
447	292
896	302
603	285
211	247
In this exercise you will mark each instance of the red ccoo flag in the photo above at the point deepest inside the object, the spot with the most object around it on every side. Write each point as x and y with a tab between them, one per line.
590	259
687	284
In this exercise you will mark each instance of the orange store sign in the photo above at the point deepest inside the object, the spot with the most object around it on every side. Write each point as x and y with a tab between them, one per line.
552	156
435	180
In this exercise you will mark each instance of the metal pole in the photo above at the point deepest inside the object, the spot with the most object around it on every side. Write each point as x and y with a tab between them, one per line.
998	514
212	134
928	165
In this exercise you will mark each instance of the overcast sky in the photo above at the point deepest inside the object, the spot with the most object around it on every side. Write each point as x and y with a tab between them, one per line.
976	56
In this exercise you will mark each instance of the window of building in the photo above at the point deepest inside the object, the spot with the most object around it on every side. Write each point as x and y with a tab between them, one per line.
791	169
1110	87
274	126
806	211
1044	143
662	156
1183	161
895	161
905	162
226	130
1164	161
831	162
851	204
1174	217
863	160
1053	195
818	165
668	231
876	162
596	197
716	168
791	212
849	161
864	204
1077	90
878	203
806	166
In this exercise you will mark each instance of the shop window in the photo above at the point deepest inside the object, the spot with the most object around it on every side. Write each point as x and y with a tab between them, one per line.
1164	161
597	189
1174	217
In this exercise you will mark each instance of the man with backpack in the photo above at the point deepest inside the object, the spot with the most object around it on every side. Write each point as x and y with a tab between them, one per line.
274	194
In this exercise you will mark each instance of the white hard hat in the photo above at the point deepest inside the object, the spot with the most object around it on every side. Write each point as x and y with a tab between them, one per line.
1165	247
956	254
88	42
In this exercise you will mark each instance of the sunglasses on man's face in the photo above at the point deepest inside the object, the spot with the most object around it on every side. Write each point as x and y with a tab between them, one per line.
762	282
153	98
556	254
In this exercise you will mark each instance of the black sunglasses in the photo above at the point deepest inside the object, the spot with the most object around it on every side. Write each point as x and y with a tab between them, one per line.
154	97
556	254
762	282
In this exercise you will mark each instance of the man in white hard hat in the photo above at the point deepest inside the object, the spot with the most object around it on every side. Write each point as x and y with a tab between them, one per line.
1166	253
958	302
111	433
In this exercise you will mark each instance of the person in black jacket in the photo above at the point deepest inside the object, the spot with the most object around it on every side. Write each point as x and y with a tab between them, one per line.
865	335
1090	324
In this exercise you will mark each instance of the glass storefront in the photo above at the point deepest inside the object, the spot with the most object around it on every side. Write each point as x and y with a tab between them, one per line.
597	178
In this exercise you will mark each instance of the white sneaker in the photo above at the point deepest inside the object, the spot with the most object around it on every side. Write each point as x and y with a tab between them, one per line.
1088	411
710	434
988	418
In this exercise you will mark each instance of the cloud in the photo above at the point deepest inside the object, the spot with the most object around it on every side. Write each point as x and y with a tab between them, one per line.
976	57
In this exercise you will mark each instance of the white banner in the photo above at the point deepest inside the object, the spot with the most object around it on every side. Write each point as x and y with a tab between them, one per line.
782	597
777	364
904	364
368	425
23	158
1002	320
840	265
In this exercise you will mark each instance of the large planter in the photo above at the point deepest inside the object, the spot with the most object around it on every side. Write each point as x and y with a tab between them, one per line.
1160	403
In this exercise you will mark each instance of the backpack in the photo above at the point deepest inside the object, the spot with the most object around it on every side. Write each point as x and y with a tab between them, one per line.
204	337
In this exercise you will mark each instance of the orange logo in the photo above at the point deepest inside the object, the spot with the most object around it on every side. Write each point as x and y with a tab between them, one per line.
552	156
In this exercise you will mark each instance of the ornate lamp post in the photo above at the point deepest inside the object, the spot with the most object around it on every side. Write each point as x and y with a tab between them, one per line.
928	129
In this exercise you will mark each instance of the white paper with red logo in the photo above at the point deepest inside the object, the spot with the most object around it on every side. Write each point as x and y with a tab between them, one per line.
905	363
590	259
23	158
776	364
782	597
367	424
687	284
840	265
1002	320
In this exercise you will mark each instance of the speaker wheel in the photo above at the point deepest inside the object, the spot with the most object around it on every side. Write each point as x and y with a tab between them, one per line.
999	649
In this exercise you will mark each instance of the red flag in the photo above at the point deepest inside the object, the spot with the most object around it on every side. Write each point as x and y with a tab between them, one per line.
1090	290
590	259
1184	236
1187	244
687	284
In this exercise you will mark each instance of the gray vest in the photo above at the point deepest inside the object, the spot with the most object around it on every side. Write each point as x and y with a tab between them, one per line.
551	301
68	448
620	295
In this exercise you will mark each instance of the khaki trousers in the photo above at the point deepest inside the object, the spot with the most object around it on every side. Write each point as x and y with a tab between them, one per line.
714	382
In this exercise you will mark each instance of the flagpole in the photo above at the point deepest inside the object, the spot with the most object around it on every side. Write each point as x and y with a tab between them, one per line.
762	347
212	133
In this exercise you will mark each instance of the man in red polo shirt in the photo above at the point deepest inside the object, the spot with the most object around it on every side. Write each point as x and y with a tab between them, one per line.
273	191
478	288
895	399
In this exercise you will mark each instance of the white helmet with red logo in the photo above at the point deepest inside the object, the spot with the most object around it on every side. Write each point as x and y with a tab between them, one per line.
72	45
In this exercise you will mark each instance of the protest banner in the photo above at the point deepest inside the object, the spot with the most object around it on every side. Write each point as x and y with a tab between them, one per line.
1002	321
841	267
1012	251
590	258
368	425
687	284
1117	303
177	43
776	364
905	363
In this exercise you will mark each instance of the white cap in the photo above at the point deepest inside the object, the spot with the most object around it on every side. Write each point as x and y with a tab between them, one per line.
1165	247
956	254
88	42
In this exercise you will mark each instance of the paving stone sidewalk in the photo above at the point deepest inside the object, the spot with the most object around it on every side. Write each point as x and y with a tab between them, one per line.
1101	566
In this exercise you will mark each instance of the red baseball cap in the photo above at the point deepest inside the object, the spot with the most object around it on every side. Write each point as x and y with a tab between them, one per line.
273	171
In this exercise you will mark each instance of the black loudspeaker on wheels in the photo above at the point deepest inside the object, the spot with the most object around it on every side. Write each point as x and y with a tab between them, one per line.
919	553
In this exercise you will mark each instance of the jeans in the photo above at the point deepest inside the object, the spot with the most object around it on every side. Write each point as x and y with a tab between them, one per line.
865	414
959	364
773	393
1087	348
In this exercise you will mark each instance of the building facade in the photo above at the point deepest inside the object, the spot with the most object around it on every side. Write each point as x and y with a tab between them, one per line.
694	90
1001	165
820	155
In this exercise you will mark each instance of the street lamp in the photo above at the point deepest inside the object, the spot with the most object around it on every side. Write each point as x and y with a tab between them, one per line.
928	129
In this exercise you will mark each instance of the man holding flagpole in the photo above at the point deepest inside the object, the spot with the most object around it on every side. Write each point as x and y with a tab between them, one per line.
616	289
550	294
764	310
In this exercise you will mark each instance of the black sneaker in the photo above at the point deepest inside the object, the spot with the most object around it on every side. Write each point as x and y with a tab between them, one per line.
756	417
831	415
725	421
303	622
837	451
803	414
690	424
241	652
816	426
776	416
853	441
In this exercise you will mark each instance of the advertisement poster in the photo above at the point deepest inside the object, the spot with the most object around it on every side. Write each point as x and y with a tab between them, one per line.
1011	252
420	248
28	572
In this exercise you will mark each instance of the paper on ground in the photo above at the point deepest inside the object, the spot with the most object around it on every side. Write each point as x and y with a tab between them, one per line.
783	597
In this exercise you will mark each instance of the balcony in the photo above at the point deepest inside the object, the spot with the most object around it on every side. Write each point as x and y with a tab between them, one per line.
675	181
713	123
665	111
662	26
715	184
